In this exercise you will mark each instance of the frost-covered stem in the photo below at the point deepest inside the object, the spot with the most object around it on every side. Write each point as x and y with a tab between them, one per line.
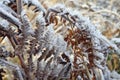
8	9
10	37
24	67
12	40
19	6
9	17
11	66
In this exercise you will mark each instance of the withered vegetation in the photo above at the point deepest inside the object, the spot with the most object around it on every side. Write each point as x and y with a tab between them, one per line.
43	42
